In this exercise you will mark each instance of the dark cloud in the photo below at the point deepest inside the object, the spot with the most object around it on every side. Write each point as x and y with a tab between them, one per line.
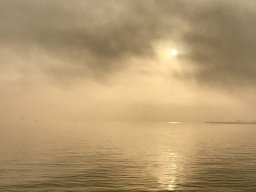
86	33
221	41
97	36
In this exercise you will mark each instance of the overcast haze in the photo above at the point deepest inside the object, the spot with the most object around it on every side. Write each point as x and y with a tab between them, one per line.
108	60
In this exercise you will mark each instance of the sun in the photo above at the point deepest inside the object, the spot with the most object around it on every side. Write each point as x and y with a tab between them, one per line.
173	52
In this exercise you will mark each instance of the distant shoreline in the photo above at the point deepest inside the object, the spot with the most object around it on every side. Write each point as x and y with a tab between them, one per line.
231	122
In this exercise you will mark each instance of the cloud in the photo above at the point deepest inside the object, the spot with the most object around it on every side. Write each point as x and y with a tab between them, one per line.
220	39
92	34
96	37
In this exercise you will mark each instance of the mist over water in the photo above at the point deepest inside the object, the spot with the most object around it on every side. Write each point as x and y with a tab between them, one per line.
128	157
72	74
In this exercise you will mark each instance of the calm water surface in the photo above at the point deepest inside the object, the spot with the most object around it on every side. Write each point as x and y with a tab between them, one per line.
127	157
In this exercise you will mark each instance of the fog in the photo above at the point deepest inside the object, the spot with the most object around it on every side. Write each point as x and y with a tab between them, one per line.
108	60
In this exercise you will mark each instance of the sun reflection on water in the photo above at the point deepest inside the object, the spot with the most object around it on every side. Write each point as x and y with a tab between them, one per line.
169	171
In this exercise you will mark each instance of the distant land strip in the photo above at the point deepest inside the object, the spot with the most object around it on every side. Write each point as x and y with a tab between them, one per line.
232	122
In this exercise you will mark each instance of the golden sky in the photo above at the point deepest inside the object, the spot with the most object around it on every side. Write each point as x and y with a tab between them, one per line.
153	60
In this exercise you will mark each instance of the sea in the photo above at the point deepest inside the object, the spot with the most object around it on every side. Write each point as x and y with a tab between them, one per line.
127	156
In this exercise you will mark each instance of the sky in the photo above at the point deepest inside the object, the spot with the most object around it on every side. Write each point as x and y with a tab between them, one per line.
93	60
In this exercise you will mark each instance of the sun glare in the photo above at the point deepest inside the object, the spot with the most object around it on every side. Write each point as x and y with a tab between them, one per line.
173	52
